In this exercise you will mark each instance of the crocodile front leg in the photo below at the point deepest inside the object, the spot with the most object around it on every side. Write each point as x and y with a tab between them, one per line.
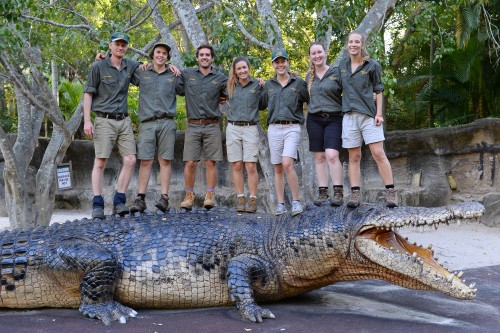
99	268
242	271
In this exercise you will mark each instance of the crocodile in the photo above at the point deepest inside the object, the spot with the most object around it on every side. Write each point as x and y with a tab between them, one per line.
217	258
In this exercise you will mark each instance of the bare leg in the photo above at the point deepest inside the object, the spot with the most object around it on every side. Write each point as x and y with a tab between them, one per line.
238	180
126	173
144	175
253	177
291	176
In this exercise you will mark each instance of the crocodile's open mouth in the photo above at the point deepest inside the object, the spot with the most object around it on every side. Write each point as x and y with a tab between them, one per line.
380	244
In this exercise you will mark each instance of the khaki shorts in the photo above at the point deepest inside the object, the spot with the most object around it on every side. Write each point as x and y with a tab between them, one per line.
206	139
242	143
156	136
108	132
358	127
284	140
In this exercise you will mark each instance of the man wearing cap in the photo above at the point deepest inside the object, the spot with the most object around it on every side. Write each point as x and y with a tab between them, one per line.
106	94
204	86
284	96
157	131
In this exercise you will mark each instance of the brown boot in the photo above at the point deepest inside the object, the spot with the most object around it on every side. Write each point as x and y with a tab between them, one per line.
209	200
322	196
355	199
188	201
139	205
240	204
338	196
391	195
162	204
252	205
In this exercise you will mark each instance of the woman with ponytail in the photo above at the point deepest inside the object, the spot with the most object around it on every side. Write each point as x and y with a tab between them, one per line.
361	79
324	124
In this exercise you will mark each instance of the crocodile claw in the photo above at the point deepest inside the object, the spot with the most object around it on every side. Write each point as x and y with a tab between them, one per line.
255	313
108	312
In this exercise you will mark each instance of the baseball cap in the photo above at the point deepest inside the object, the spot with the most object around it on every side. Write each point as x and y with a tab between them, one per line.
119	36
160	44
279	53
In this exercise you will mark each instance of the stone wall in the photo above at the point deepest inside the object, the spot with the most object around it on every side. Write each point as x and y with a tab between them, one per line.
423	161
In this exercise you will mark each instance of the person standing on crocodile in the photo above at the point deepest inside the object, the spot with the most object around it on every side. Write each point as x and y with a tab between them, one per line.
106	94
242	133
284	96
361	78
204	87
158	86
324	124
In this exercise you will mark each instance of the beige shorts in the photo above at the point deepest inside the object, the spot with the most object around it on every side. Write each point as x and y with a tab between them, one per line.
108	132
206	139
284	140
358	127
242	143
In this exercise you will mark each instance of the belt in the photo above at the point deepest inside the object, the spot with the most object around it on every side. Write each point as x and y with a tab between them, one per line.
326	114
115	116
242	123
162	116
203	121
285	122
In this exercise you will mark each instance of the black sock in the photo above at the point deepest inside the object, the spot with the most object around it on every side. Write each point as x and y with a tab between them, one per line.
389	186
355	188
142	196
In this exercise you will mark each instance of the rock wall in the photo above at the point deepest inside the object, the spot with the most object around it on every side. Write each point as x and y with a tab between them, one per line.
431	167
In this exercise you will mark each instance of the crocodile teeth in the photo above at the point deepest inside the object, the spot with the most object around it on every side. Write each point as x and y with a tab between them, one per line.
414	254
472	285
429	247
459	275
450	278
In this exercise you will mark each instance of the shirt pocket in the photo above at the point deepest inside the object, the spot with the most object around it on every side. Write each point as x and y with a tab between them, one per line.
110	86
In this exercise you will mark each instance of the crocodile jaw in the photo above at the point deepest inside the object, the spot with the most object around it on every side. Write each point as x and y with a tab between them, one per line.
410	266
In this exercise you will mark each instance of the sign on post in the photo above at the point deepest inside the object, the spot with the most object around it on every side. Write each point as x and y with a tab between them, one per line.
64	177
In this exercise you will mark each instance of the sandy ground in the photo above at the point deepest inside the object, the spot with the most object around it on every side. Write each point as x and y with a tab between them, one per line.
469	245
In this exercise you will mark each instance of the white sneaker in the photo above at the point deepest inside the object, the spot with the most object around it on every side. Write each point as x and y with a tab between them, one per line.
297	207
280	209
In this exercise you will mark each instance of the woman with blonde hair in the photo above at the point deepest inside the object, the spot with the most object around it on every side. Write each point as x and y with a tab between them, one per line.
324	124
242	134
361	78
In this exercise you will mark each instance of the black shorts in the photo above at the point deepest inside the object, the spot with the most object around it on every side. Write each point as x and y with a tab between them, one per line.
324	133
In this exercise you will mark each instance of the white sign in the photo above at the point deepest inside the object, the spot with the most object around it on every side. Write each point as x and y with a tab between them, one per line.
64	176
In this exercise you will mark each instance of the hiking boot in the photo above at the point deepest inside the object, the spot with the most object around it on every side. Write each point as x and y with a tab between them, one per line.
240	204
280	209
252	205
121	209
139	205
338	196
188	201
322	196
162	204
209	200
355	199
98	212
391	196
297	207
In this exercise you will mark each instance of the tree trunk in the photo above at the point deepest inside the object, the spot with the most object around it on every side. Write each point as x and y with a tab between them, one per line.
380	11
324	36
189	19
267	168
270	23
166	34
17	160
